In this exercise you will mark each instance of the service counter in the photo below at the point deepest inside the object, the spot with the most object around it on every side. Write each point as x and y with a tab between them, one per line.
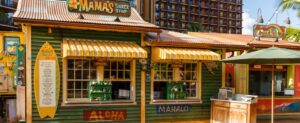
239	109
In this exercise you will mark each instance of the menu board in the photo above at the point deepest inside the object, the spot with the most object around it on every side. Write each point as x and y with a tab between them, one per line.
46	81
47	75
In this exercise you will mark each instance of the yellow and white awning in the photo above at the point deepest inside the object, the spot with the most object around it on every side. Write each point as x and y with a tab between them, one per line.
94	48
184	54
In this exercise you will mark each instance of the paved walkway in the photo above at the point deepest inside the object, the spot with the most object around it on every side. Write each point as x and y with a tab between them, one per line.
291	120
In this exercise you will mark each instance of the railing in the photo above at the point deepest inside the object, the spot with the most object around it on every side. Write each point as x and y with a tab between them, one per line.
9	3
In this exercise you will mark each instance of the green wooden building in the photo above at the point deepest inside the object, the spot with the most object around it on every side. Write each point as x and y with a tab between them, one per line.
90	63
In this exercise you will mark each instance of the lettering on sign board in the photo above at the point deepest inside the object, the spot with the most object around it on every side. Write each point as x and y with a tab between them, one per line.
176	108
47	75
269	31
105	7
102	115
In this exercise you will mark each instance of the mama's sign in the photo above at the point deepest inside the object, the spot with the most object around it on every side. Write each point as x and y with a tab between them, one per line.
106	7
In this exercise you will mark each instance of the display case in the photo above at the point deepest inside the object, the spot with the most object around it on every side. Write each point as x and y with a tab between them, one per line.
100	90
176	90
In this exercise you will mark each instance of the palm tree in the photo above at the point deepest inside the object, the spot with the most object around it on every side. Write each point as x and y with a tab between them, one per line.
293	34
290	4
195	27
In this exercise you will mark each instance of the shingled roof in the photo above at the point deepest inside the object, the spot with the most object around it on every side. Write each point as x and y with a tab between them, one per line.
56	13
171	38
247	40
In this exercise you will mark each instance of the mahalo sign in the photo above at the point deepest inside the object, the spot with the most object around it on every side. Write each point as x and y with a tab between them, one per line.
105	7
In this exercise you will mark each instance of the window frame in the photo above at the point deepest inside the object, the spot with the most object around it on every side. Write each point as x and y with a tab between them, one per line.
193	100
86	102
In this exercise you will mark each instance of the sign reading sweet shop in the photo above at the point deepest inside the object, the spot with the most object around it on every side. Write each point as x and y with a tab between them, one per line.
105	7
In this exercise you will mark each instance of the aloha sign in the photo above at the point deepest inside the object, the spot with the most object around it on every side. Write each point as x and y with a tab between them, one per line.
269	31
106	7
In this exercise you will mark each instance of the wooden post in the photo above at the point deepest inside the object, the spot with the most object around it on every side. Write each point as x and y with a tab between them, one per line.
223	56
143	90
100	73
272	100
28	60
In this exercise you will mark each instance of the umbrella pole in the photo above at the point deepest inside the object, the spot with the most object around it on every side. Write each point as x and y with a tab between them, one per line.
272	100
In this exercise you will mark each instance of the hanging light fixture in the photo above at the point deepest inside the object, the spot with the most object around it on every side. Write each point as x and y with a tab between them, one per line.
259	19
288	20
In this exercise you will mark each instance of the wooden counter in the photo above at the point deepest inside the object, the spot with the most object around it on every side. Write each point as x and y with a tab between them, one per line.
227	111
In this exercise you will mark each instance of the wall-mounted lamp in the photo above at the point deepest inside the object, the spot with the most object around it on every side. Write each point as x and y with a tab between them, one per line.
143	62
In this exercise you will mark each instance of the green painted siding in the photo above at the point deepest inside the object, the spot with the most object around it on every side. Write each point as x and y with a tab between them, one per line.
210	85
75	114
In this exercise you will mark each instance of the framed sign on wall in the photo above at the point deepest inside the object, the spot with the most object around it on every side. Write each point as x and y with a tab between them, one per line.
10	44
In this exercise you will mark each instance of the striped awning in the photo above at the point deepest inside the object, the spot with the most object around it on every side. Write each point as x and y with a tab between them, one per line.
96	48
184	54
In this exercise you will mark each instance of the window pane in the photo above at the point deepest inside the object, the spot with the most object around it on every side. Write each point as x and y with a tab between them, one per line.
127	74
106	74
120	75
188	76
70	74
170	75
85	85
92	64
194	68
113	65
120	90
120	65
107	67
170	67
191	89
86	64
70	85
78	74
160	90
85	94
188	67
78	85
93	74
86	74
163	76
78	64
70	93
70	64
127	65
113	74
78	94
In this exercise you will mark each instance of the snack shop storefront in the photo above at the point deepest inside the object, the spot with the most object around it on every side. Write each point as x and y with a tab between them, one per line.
83	67
185	73
255	79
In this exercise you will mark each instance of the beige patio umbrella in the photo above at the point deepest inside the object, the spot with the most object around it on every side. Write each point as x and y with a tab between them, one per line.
271	56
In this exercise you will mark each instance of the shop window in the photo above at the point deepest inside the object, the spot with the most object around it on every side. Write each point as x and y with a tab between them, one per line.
80	72
116	73
260	80
119	74
175	82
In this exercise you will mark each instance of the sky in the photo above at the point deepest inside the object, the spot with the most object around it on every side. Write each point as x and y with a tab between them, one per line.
268	7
